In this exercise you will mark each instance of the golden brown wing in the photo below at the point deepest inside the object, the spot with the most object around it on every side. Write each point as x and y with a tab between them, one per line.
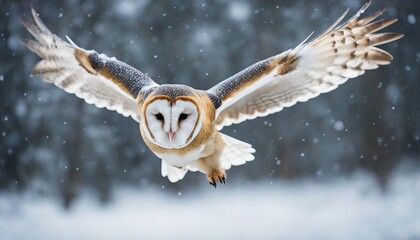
96	78
306	71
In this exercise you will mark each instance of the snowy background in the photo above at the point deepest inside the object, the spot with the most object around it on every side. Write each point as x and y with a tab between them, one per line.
348	208
345	165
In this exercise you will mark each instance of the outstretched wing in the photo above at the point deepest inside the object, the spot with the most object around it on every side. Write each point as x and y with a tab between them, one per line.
306	71
96	78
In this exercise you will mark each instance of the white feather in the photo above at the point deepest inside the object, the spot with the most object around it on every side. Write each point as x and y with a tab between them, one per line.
174	174
297	75
235	152
60	67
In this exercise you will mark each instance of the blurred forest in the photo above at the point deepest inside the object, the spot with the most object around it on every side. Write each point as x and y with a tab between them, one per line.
55	144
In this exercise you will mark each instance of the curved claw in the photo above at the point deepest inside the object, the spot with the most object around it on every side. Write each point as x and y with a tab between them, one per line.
213	184
216	176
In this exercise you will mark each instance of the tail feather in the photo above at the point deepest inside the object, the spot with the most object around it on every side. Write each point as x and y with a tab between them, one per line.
236	152
174	174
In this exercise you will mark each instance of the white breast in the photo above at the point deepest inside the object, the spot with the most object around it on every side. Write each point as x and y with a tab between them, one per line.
177	160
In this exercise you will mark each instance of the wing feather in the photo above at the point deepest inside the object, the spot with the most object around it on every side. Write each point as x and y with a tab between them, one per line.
306	71
236	152
72	69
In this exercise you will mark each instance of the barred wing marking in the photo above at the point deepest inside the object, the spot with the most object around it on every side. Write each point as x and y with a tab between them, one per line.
306	71
99	80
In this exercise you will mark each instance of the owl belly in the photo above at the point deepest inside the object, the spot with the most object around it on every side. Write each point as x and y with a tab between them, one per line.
176	159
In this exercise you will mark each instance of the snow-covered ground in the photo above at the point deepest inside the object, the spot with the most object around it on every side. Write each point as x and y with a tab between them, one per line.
345	208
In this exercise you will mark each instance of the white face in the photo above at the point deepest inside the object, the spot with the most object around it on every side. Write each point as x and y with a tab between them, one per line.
172	126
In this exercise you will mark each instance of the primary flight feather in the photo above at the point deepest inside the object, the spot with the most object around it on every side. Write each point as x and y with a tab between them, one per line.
181	124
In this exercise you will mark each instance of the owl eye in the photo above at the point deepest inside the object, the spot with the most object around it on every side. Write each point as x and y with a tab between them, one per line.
159	117
183	116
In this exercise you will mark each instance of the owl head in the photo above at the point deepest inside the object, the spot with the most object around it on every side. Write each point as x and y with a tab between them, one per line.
171	116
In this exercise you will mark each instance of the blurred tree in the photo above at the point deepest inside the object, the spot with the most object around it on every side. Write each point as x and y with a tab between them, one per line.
54	143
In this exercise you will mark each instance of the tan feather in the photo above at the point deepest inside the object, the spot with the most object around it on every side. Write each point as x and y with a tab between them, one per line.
312	68
67	66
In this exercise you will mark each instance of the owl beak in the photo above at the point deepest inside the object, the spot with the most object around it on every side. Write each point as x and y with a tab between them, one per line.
171	135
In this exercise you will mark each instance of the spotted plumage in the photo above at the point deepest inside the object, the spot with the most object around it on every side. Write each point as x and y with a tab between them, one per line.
179	123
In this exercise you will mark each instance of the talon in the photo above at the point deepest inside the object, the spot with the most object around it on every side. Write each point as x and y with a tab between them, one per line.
213	184
216	176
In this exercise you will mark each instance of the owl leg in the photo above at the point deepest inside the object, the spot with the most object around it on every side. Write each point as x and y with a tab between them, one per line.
215	176
211	166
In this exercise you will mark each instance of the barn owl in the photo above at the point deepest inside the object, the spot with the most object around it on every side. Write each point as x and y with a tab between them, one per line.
181	124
